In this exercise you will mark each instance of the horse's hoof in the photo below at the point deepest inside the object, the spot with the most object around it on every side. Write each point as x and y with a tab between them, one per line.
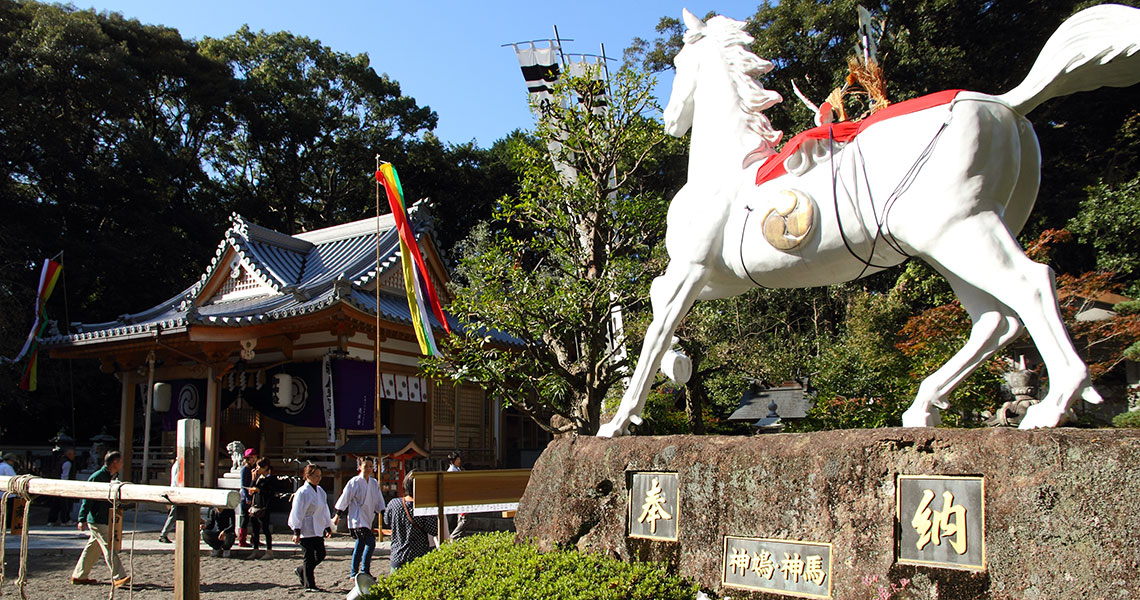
610	430
1090	395
1041	416
920	418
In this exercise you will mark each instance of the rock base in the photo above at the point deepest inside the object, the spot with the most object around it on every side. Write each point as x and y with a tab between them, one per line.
1062	507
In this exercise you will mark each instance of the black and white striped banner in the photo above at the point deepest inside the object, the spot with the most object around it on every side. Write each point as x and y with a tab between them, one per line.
541	68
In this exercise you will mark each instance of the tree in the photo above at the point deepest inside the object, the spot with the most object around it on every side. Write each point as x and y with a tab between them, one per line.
307	123
1108	221
104	121
560	255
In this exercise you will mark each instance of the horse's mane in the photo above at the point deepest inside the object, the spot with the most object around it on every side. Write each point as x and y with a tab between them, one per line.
742	65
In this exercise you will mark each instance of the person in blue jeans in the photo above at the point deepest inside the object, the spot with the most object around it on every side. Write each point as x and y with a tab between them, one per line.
361	501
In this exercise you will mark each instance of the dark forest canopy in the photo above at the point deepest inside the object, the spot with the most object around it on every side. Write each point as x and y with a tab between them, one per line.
126	147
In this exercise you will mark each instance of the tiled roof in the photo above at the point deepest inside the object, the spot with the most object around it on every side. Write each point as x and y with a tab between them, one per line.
306	272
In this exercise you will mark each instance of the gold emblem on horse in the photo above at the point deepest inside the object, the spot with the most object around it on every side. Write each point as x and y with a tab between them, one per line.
790	220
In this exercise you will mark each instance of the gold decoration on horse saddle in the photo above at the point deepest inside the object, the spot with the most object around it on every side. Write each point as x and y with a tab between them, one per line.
790	220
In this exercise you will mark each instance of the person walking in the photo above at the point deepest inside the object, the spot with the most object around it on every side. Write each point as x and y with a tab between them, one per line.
60	513
361	500
175	471
310	522
93	515
409	533
264	486
246	496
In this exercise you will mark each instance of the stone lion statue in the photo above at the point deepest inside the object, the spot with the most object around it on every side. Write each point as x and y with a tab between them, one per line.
236	450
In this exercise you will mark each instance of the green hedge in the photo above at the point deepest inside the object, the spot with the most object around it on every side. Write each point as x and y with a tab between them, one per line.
1128	419
493	567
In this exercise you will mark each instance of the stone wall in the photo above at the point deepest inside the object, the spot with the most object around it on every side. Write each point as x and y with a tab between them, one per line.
1062	506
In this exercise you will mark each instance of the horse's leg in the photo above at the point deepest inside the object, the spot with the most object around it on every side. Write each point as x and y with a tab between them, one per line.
982	252
671	295
994	326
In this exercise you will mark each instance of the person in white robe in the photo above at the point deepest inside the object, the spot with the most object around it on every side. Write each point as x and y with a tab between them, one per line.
309	519
360	502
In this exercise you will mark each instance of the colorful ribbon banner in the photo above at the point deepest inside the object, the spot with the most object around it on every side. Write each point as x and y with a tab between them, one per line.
416	281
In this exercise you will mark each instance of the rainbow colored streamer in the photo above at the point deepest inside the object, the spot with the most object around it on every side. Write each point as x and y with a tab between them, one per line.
49	276
421	292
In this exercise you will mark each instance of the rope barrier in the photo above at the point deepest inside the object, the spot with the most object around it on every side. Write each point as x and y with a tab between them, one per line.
114	495
17	486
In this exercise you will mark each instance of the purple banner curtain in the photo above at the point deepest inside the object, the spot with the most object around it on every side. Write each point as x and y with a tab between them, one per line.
306	408
187	401
354	387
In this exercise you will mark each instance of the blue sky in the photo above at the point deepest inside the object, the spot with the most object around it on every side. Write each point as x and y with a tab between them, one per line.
446	54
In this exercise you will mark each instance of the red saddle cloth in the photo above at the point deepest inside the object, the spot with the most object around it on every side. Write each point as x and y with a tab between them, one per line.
847	130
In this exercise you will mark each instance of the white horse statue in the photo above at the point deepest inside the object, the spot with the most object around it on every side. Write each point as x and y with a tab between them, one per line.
950	179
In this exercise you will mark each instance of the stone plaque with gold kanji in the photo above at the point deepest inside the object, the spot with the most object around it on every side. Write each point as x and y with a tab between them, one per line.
786	567
941	521
654	505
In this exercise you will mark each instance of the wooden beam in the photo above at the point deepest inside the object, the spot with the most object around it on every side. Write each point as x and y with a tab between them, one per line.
186	536
129	492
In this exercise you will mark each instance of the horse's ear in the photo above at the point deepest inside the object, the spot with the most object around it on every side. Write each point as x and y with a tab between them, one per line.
692	21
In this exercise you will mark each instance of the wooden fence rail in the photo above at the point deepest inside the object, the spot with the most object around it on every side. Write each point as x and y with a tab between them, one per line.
128	492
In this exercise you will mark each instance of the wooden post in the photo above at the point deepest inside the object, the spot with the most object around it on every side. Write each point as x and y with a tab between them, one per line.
126	424
441	520
212	431
186	540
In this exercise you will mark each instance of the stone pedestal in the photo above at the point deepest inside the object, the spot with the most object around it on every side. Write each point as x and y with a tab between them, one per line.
230	481
1061	506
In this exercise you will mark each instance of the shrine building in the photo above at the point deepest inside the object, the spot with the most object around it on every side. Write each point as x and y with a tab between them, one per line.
273	346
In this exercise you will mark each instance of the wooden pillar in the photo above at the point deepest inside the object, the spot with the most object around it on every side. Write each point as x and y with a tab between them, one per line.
126	423
187	537
212	433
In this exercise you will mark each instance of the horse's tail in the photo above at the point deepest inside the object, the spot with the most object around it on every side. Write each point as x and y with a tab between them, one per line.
1097	47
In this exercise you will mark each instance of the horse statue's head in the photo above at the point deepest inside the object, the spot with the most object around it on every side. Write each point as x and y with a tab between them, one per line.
722	43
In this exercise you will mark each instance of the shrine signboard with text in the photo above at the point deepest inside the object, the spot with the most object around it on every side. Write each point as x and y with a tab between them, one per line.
654	506
785	567
941	521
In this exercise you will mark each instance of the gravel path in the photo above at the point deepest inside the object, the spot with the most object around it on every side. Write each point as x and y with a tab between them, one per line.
49	576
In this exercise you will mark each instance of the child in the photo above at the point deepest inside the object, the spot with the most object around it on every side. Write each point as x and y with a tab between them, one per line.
310	522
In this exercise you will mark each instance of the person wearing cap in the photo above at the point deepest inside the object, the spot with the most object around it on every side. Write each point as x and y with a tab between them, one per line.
6	465
6	462
246	496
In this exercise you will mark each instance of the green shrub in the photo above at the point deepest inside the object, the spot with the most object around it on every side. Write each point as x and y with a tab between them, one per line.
493	567
1128	419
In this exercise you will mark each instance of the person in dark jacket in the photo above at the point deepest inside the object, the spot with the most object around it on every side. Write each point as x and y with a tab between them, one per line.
246	496
409	533
264	488
218	531
60	513
93	516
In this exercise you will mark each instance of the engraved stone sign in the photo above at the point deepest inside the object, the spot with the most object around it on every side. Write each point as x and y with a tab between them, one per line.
941	521
785	567
654	505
